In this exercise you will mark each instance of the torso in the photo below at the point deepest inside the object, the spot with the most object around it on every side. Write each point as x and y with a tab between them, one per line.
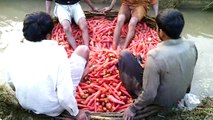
176	60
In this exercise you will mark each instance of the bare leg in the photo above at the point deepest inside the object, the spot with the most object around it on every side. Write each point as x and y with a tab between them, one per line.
84	28
131	31
68	32
78	62
117	32
83	51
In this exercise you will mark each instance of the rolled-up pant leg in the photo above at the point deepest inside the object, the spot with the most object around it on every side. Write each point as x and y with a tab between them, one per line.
130	72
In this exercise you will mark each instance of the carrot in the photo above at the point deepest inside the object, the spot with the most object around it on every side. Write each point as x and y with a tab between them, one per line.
118	86
82	106
114	93
103	74
81	92
125	92
114	100
116	107
96	95
124	107
88	99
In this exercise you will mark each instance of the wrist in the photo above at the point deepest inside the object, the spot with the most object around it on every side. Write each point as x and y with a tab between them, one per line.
132	109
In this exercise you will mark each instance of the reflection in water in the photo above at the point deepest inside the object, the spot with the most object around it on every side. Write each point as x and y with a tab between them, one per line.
198	28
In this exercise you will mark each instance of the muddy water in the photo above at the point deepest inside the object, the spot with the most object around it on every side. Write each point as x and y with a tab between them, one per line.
198	28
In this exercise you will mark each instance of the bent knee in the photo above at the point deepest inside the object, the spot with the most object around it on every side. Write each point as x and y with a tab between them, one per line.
66	25
66	28
133	21
83	51
83	24
121	18
124	54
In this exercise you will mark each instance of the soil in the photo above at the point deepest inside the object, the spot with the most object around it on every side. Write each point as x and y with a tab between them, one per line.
11	110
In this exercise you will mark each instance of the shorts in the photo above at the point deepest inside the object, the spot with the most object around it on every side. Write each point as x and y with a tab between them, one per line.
138	11
77	64
67	12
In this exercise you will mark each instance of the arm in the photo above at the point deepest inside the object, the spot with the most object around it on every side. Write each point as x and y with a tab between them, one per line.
196	57
48	6
91	5
151	82
156	7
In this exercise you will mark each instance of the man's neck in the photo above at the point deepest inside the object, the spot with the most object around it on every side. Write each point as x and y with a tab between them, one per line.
166	37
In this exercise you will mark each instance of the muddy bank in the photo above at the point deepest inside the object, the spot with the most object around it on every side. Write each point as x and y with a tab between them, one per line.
11	110
195	4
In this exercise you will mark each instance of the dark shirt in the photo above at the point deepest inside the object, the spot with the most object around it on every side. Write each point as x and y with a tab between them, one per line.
66	2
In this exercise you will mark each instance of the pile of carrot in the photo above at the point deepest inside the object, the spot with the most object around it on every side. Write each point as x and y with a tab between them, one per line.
102	90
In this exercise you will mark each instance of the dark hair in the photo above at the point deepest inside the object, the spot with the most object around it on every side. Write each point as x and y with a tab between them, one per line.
171	21
36	26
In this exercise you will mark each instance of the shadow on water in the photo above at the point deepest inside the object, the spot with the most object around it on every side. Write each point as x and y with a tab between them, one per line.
198	28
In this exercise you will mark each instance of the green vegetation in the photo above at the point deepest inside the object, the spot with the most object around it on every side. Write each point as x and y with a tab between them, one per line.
11	110
209	5
202	112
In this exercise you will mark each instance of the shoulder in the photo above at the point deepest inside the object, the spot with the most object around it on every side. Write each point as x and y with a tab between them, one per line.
189	44
51	43
154	52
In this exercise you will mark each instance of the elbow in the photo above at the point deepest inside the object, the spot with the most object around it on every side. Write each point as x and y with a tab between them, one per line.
150	99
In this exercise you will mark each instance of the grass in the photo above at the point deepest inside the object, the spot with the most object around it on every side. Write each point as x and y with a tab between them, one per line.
11	110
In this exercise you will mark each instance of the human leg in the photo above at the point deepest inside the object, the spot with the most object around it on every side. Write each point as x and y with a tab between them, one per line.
82	51
123	15
67	29
84	28
130	72
80	19
131	31
64	15
78	61
137	14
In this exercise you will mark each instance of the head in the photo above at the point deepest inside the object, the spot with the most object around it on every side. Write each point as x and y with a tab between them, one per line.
170	24
37	26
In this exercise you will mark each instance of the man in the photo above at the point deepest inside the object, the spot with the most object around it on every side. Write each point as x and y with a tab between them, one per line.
44	78
132	11
65	10
168	70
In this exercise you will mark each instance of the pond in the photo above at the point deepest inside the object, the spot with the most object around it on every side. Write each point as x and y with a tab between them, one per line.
198	28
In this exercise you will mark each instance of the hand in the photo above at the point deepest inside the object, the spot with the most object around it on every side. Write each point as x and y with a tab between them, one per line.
128	114
106	9
95	9
81	115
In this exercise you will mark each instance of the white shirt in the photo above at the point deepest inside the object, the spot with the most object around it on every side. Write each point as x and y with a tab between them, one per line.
40	72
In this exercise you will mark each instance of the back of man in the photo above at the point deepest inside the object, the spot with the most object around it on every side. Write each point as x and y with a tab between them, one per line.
40	70
34	70
175	60
168	70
